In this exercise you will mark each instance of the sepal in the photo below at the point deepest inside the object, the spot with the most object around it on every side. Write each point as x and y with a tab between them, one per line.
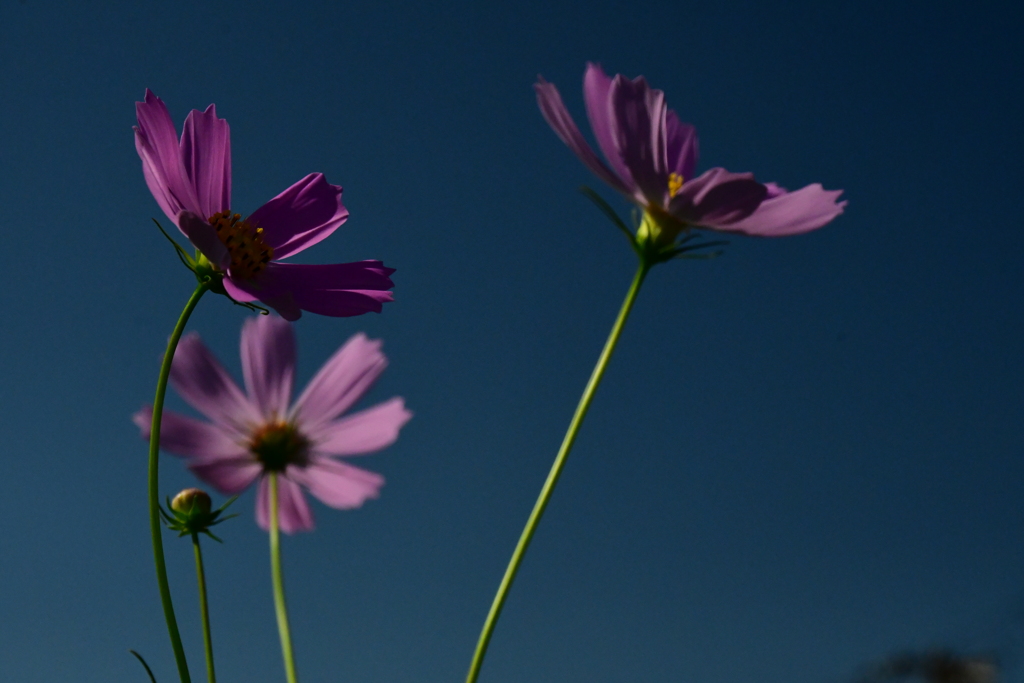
189	513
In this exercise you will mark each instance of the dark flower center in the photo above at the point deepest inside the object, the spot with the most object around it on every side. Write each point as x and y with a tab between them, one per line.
249	253
279	444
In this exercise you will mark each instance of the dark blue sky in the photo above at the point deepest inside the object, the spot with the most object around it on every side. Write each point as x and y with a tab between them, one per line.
806	453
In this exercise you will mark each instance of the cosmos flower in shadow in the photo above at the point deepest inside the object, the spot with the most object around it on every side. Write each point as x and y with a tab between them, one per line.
255	432
652	160
191	181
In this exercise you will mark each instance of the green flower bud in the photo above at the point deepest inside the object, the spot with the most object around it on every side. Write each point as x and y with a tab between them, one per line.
191	513
192	501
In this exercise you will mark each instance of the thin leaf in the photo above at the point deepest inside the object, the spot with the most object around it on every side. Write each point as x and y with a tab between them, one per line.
702	257
702	245
143	661
182	254
610	212
207	532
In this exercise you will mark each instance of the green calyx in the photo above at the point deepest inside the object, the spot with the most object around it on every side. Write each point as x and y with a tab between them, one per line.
208	274
656	236
189	513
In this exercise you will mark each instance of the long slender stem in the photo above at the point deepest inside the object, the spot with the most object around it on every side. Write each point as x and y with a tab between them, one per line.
204	609
553	475
154	485
278	578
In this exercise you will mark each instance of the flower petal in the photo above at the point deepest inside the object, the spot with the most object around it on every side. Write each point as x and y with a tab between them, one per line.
367	431
265	290
156	141
718	198
203	237
268	364
638	128
681	143
301	216
342	303
293	513
207	387
206	154
342	380
190	438
557	116
596	86
332	276
791	213
338	289
338	484
229	475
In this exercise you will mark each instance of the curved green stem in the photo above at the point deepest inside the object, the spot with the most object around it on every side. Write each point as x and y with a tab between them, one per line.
204	610
553	475
154	485
278	578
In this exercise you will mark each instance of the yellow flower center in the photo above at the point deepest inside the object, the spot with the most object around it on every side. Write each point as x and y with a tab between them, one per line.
250	254
279	444
675	184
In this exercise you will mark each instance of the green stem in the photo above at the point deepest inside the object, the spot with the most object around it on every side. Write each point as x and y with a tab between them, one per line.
204	610
553	475
154	485
278	579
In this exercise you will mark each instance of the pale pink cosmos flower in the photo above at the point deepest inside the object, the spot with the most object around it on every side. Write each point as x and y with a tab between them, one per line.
191	181
258	431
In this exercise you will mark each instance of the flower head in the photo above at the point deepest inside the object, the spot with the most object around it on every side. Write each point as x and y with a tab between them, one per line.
191	181
258	431
652	159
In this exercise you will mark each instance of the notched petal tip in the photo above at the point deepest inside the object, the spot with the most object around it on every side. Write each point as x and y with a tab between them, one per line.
791	213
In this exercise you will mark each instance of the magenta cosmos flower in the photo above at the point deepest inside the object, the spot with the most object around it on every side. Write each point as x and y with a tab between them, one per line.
255	432
191	181
652	157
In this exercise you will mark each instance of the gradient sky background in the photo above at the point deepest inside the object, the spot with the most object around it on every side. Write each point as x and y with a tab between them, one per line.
806	454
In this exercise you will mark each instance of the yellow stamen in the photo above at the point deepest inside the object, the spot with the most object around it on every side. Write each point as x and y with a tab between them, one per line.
675	184
250	254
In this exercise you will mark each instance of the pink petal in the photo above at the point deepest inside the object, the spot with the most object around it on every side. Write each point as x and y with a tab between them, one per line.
718	198
207	387
637	123
268	364
301	216
791	213
203	237
681	142
332	276
265	289
338	484
557	116
367	431
190	438
156	141
230	475
596	86
293	513
342	380
206	155
342	303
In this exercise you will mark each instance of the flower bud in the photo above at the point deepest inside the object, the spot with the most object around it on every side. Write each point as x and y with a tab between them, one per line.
192	500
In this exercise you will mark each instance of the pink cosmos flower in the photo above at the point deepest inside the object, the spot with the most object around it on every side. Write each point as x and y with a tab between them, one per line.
653	156
255	432
191	181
